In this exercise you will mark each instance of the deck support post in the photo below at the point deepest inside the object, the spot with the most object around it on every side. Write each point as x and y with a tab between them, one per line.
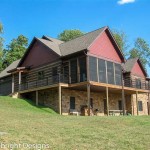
13	83
59	99
148	103
123	97
107	101
37	98
88	98
137	103
19	79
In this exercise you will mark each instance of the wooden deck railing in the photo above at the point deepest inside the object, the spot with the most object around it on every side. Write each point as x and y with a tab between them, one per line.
44	82
132	83
60	78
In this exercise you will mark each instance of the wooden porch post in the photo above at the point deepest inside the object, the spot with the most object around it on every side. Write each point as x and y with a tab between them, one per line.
19	79
123	96
137	103
59	99
37	98
88	98
149	103
13	83
107	101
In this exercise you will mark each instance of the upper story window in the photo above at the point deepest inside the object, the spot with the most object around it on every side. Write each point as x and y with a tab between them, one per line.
118	73
73	70
138	83
40	75
93	68
102	70
55	77
82	66
110	72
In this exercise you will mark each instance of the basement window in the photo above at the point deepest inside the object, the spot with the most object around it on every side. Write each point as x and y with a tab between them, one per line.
72	102
140	106
120	105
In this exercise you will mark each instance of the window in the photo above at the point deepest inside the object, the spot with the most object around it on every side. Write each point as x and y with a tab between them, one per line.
73	70
102	70
120	105
138	83
66	72
55	74
82	65
118	73
72	102
91	102
40	75
140	106
93	68
110	72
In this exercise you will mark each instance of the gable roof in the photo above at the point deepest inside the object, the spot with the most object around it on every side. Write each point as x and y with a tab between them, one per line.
76	45
52	45
80	43
129	64
52	39
10	67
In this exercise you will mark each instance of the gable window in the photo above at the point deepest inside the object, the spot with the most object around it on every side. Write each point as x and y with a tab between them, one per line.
140	106
72	102
110	72
40	75
138	83
120	105
102	70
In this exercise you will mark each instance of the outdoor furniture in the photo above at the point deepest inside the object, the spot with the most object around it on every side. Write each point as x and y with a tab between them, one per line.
114	112
73	112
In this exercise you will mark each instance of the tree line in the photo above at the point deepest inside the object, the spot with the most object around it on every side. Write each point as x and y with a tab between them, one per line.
17	47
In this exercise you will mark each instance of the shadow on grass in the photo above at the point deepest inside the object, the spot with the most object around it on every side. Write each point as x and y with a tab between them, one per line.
41	107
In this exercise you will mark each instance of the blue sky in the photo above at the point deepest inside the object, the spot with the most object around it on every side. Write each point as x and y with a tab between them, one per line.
50	17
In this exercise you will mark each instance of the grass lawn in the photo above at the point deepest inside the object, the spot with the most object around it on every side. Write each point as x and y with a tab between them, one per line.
22	122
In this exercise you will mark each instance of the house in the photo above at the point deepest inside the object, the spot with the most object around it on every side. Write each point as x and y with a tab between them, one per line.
87	75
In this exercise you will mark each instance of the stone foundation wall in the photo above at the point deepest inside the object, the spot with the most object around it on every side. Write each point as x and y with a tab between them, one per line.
49	98
98	101
144	99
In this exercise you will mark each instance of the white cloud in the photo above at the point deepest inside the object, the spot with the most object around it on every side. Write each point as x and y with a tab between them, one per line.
121	2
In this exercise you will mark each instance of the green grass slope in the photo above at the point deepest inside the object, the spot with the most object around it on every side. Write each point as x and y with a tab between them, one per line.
22	122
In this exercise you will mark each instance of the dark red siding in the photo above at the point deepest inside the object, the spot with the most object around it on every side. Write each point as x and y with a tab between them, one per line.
103	47
39	55
136	70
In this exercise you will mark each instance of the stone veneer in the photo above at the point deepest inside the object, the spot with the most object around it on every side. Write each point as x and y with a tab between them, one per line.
98	101
144	99
49	97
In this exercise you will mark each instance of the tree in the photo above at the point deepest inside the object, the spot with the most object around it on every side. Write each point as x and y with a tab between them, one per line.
121	39
15	49
67	35
1	47
141	50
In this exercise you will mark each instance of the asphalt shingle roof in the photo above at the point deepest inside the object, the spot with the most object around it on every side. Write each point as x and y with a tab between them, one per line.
52	45
80	43
10	67
128	65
